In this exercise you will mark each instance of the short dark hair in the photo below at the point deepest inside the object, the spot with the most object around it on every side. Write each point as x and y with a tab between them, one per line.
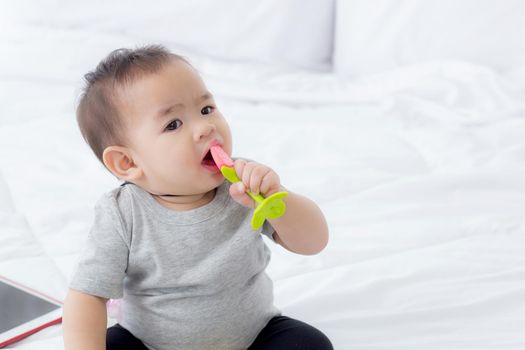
97	115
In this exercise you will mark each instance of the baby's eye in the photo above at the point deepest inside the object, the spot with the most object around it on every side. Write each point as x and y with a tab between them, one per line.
174	125
207	110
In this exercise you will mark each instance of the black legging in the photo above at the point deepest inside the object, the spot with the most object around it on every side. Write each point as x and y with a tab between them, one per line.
280	333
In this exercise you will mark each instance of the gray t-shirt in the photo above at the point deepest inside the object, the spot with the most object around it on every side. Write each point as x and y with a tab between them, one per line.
189	279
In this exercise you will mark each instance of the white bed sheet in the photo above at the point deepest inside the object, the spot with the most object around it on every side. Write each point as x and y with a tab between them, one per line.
420	172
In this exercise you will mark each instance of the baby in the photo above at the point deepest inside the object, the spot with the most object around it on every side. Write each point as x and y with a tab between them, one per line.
174	240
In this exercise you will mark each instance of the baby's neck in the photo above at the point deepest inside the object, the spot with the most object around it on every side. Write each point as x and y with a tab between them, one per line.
185	202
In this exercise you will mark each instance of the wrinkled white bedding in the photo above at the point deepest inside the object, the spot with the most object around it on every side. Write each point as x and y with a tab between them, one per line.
420	172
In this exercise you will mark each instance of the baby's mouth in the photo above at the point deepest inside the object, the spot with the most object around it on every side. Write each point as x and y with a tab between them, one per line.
208	160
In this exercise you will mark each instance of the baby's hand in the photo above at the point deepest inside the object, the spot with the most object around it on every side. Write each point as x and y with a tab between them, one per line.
256	178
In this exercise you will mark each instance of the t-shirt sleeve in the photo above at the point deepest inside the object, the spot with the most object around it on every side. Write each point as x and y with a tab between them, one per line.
103	262
268	231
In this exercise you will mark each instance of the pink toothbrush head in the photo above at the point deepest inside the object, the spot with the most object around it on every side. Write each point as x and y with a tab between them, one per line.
220	157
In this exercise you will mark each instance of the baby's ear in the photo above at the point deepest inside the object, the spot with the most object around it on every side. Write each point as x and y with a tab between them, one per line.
120	162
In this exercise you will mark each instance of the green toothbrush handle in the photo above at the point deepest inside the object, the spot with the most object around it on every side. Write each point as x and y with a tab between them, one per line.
231	175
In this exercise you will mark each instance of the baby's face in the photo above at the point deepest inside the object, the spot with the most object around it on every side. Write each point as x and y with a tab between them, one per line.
171	121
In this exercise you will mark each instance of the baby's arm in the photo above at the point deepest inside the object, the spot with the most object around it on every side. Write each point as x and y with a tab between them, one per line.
303	228
84	321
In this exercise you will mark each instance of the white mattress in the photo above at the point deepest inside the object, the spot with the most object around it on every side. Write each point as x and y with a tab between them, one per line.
420	172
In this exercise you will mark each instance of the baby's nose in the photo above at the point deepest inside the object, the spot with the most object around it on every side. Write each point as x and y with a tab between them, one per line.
203	130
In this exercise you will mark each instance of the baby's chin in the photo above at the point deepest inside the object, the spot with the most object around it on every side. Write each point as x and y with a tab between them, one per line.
203	187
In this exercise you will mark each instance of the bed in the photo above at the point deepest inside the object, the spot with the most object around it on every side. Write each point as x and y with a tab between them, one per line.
418	164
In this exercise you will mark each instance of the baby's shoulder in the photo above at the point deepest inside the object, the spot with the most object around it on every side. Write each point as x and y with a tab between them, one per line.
117	203
117	198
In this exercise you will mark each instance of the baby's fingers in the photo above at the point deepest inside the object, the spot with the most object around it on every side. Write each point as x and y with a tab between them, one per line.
256	178
270	183
238	193
239	167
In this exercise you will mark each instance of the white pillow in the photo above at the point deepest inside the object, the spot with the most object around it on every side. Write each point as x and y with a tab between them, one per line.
373	36
293	32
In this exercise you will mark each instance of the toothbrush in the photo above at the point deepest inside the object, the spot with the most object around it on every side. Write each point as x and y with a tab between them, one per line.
271	207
